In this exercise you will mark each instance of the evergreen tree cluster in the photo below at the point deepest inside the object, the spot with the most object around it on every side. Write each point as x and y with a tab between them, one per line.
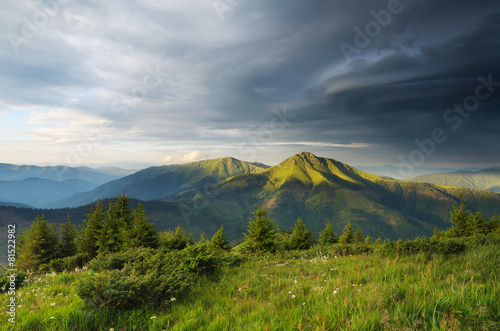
49	246
103	232
467	224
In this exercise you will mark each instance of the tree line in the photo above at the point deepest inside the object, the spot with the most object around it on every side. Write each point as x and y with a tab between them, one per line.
47	246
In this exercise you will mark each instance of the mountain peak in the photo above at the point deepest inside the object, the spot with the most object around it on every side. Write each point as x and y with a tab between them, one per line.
305	157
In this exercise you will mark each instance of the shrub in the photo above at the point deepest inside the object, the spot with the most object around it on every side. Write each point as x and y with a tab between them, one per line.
5	282
57	265
77	261
155	279
119	259
203	258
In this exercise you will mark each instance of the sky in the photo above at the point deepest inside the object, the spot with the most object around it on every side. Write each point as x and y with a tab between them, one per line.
135	83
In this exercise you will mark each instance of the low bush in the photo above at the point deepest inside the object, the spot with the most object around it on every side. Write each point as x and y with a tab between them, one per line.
153	280
5	282
203	258
445	246
57	265
69	263
119	259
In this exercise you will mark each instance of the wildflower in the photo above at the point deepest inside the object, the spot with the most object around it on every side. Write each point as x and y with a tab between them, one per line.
295	281
53	304
173	299
293	296
111	329
51	317
303	304
359	290
153	317
354	285
334	292
335	256
60	294
337	289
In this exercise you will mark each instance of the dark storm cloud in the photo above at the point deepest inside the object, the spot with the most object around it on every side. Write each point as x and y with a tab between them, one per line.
221	79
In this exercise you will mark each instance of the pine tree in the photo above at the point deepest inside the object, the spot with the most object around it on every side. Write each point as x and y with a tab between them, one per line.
115	227
220	241
190	239
300	237
460	217
174	240
368	240
68	246
348	234
91	230
262	234
327	236
39	246
477	224
143	233
494	225
358	236
378	241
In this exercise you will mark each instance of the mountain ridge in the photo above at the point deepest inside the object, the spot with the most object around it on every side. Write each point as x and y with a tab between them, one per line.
486	179
162	182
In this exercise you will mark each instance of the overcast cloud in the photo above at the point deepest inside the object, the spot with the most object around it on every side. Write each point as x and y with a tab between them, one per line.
166	81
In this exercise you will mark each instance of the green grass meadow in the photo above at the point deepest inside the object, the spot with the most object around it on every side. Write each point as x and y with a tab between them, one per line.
311	290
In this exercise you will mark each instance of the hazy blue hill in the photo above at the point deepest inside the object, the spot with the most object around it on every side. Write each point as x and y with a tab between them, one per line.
488	179
13	204
10	172
166	181
319	189
39	192
394	171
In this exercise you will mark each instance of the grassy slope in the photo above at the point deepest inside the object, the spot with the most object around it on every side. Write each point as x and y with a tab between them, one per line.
488	179
319	189
372	293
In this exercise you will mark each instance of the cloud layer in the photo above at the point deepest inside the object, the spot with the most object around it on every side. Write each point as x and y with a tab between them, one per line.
173	81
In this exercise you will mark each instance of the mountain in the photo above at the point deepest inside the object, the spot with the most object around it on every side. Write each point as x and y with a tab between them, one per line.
314	188
39	192
488	179
165	182
10	172
391	171
319	189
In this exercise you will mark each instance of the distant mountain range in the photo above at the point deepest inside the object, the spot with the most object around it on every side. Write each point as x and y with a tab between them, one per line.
488	179
39	187
38	192
206	194
97	176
